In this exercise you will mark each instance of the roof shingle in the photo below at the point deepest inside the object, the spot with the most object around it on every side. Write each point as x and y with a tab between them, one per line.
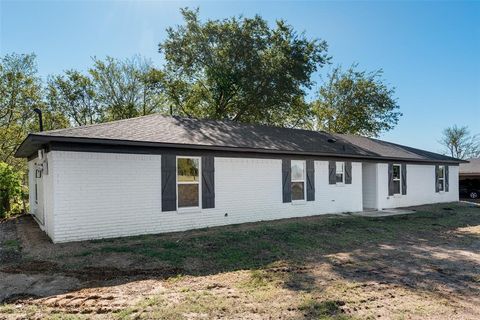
210	134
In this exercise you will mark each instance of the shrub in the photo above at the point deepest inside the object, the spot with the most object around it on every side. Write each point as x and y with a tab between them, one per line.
10	189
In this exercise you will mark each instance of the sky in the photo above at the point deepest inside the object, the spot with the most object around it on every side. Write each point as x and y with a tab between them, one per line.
429	51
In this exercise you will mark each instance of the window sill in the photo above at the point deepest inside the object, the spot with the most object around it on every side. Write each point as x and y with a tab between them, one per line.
298	202
340	184
189	210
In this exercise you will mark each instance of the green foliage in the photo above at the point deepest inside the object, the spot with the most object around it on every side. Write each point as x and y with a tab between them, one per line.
128	88
10	188
75	96
356	102
20	92
459	143
240	69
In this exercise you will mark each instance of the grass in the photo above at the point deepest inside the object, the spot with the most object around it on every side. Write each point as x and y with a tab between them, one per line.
12	244
325	267
253	246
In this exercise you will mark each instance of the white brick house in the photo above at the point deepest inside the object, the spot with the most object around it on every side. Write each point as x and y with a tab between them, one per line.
160	174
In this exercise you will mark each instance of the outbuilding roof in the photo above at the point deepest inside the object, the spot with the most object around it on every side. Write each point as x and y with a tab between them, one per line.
471	168
175	132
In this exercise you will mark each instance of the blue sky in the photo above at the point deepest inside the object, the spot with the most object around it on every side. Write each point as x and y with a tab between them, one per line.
430	51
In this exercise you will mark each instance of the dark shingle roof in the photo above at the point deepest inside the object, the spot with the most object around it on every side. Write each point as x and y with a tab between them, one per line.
160	130
473	167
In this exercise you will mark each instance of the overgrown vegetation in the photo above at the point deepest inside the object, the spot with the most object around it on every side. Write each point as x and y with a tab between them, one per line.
11	191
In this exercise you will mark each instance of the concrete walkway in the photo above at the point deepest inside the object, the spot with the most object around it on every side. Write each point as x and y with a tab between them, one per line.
383	213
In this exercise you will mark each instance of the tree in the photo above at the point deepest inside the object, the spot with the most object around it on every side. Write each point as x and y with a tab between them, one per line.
239	69
74	95
127	88
459	143
10	188
356	102
20	92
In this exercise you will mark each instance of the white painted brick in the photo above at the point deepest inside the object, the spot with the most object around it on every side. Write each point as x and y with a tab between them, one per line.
102	195
420	187
99	195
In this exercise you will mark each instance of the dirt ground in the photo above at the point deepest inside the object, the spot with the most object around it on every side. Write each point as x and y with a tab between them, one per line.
421	266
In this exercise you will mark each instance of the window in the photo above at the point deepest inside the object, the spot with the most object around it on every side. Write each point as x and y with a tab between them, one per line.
298	180
441	178
340	172
188	186
397	179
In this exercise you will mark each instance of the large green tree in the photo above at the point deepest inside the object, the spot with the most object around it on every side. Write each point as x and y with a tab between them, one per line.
74	95
127	88
356	102
239	69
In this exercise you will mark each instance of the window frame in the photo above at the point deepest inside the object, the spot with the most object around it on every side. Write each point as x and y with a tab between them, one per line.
304	164
342	165
441	178
177	183
399	179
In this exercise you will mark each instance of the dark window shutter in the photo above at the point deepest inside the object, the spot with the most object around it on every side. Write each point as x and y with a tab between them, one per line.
390	179
332	171
404	178
286	180
436	179
348	172
310	180
169	181
446	179
208	182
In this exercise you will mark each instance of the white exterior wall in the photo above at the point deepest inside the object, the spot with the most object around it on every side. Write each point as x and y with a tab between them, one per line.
100	195
43	211
420	187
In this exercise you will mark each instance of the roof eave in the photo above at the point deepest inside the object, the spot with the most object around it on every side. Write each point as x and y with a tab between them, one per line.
38	139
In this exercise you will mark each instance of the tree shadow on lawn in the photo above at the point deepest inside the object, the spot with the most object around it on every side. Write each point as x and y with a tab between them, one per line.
421	251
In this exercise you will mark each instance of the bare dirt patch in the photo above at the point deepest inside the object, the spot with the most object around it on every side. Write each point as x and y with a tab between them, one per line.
421	266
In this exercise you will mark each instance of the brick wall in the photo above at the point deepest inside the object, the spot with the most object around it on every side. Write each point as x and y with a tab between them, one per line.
101	195
420	187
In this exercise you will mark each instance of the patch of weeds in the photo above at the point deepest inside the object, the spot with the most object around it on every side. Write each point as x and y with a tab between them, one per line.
176	278
128	313
261	279
65	316
170	245
12	244
84	254
117	249
324	310
7	309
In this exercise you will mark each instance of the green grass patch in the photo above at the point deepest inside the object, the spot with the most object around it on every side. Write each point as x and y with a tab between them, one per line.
256	245
12	244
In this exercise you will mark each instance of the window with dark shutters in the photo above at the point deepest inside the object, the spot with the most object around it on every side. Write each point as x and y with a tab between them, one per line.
286	180
348	172
390	180
447	182
208	182
332	172
310	180
169	185
404	178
